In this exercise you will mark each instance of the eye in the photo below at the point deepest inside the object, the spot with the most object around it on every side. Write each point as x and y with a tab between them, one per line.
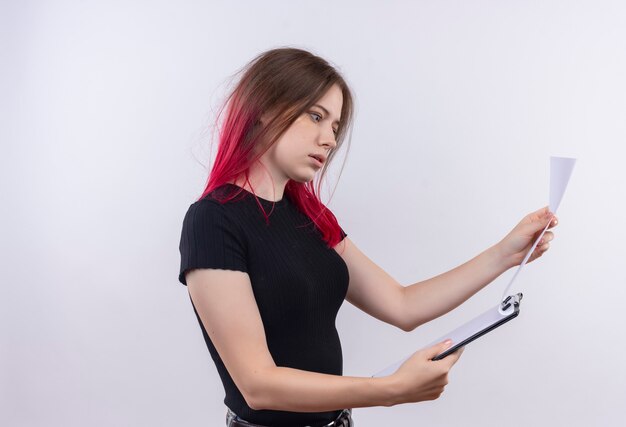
314	115
317	117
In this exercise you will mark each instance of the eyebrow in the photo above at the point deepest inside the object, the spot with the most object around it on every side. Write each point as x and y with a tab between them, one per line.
326	112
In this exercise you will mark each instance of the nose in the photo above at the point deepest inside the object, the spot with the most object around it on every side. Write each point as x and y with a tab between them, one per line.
327	139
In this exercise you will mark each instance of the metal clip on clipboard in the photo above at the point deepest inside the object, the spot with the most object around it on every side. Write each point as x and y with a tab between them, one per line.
511	300
507	310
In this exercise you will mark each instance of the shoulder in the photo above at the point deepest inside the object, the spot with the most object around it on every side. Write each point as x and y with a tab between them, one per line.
203	210
211	213
206	205
217	202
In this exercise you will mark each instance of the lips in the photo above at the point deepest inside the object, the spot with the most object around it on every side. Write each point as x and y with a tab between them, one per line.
320	158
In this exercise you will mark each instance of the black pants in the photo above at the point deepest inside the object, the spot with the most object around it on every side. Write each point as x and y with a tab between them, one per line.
344	420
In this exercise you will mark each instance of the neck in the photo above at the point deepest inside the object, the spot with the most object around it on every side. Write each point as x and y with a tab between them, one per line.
263	184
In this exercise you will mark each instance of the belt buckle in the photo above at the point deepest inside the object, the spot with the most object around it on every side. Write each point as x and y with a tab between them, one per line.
341	419
229	417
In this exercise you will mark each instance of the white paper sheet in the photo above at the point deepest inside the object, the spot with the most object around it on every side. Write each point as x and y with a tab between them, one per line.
560	172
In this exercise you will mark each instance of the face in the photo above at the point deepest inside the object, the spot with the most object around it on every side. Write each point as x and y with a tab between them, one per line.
303	149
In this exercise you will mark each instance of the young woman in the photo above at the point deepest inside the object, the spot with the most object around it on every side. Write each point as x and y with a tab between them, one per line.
268	266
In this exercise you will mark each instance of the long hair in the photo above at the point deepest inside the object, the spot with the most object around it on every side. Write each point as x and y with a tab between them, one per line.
285	82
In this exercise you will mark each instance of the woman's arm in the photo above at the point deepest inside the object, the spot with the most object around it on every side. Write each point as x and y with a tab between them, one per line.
227	308
375	292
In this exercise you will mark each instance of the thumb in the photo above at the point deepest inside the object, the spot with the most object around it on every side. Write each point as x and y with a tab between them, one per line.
438	349
538	223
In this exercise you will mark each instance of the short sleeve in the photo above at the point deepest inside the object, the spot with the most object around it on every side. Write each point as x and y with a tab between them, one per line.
209	239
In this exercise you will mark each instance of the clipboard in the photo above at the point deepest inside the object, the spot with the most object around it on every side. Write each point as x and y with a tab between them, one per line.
497	316
483	324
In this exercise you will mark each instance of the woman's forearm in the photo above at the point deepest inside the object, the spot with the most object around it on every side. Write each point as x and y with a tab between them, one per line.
429	299
434	297
287	389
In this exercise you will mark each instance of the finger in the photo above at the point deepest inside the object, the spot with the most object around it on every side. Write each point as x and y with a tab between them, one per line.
533	227
451	359
433	394
547	237
438	349
554	223
436	390
539	251
454	357
538	214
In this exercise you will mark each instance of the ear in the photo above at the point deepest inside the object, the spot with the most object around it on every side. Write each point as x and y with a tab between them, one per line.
267	116
264	119
273	113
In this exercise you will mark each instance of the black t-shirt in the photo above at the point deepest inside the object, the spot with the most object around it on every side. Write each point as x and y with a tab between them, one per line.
299	283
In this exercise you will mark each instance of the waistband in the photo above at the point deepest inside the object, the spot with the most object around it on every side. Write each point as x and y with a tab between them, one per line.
343	420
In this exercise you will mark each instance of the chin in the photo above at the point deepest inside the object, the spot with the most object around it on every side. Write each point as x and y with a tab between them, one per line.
303	178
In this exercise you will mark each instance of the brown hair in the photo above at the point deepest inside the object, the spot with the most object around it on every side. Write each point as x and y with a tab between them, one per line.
283	83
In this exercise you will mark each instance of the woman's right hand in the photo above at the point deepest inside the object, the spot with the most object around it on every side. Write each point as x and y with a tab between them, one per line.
420	378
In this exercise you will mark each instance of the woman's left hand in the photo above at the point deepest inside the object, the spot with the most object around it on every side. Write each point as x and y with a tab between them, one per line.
514	247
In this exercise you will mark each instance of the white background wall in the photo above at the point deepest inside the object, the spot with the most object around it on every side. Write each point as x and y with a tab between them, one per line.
105	110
